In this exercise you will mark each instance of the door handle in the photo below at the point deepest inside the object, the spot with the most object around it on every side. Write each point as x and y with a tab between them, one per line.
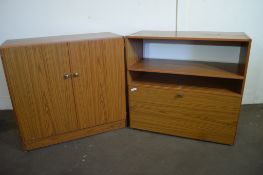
67	76
76	74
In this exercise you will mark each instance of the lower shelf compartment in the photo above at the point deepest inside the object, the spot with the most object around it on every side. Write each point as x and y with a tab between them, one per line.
220	86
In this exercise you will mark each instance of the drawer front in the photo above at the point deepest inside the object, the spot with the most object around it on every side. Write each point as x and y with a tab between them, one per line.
190	114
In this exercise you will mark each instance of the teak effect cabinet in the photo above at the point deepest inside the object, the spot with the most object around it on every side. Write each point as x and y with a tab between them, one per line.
65	87
194	99
68	87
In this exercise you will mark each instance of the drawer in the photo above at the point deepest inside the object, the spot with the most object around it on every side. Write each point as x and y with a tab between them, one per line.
196	115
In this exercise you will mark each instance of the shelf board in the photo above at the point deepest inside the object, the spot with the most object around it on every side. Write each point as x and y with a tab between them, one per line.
192	35
201	84
194	68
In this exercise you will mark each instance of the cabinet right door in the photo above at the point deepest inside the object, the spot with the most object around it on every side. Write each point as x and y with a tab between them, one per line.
99	87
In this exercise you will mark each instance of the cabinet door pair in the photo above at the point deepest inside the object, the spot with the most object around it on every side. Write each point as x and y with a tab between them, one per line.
48	104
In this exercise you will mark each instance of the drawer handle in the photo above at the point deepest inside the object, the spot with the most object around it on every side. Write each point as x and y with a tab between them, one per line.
133	89
179	96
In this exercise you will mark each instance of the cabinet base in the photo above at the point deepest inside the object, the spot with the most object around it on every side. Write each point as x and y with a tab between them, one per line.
73	135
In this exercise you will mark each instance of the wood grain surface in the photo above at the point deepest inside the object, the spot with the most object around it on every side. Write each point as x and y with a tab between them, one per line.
182	67
51	109
58	39
29	145
133	54
183	113
209	85
191	35
199	100
43	101
100	88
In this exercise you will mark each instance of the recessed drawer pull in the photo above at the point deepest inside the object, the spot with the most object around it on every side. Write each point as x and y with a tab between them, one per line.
179	96
133	89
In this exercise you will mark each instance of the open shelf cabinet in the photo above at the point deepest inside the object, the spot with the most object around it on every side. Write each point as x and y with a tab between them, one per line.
189	98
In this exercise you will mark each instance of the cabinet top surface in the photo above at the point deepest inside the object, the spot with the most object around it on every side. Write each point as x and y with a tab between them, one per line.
191	35
58	39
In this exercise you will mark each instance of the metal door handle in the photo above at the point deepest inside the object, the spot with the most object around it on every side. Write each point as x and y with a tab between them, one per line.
67	76
76	74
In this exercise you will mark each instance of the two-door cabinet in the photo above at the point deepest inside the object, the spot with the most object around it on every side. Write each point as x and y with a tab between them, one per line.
65	87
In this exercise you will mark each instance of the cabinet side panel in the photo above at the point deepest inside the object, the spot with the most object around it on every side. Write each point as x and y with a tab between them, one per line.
243	61
42	99
100	88
134	53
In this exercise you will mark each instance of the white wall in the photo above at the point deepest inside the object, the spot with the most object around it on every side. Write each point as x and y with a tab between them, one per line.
231	15
35	18
162	49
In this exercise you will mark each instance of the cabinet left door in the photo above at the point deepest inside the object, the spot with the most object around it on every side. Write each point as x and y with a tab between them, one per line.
42	98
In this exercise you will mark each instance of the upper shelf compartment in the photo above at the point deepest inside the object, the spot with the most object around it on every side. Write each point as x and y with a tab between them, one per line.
194	68
193	36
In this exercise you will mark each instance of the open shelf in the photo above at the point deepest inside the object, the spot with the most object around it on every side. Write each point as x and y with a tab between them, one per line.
181	82
184	97
194	68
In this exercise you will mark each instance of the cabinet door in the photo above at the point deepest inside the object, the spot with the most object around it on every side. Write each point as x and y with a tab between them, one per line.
100	87
43	100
